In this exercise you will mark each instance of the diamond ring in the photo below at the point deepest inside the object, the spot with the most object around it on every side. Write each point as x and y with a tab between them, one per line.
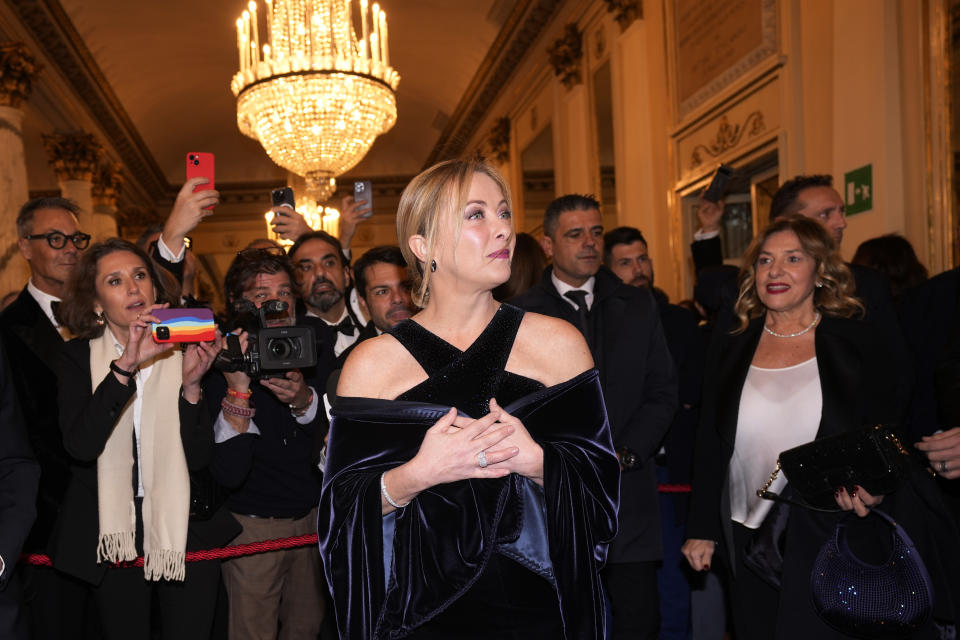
943	466
482	459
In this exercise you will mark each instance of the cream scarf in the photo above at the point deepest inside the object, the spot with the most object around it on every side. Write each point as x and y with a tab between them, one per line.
163	468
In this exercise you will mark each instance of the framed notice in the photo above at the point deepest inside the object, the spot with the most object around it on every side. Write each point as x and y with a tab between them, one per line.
715	42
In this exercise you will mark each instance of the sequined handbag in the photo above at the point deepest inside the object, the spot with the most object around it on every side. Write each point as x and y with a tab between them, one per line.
888	600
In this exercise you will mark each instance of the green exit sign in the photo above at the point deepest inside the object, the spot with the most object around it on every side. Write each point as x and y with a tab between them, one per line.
858	189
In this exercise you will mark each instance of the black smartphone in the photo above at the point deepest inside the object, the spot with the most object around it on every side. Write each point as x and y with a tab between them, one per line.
363	196
283	196
718	184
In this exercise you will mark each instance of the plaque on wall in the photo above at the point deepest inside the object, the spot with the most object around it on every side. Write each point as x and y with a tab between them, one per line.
717	42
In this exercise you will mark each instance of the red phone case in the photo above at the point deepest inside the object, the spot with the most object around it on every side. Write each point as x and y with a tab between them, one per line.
200	165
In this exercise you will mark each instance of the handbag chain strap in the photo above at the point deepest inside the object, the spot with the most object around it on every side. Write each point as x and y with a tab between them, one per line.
892	437
773	476
764	491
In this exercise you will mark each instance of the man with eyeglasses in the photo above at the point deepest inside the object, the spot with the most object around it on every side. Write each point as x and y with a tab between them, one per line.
51	242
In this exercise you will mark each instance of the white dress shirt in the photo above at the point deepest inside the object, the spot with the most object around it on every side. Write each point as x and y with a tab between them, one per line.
563	287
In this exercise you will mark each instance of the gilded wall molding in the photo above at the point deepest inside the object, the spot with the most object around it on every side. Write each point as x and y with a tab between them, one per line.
525	24
499	139
566	56
17	70
625	12
728	136
54	32
73	156
107	182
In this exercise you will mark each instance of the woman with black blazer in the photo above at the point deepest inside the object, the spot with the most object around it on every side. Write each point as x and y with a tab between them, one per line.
133	421
802	365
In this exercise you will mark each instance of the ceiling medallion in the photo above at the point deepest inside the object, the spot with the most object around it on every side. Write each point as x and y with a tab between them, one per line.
314	94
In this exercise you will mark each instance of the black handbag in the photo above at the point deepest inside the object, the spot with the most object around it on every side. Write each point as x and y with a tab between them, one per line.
872	458
885	600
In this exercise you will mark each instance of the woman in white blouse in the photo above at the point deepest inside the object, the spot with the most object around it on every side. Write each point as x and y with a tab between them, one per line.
802	364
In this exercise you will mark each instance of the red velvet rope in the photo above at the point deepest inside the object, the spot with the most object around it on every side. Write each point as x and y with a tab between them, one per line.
260	547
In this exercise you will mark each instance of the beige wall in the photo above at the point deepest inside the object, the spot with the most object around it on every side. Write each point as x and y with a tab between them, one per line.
844	88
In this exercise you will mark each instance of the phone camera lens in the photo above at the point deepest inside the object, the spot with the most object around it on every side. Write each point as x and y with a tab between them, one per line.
163	333
191	156
196	163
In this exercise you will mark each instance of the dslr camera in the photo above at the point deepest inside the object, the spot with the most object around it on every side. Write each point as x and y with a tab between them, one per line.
271	351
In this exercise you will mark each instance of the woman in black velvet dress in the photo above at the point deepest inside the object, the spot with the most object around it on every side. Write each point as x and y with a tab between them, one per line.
470	486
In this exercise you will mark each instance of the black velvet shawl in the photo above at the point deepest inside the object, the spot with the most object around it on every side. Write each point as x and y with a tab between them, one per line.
444	538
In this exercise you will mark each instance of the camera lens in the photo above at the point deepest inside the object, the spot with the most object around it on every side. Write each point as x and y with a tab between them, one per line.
280	348
191	156
163	333
196	163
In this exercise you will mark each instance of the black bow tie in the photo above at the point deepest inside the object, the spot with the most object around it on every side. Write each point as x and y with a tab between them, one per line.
345	327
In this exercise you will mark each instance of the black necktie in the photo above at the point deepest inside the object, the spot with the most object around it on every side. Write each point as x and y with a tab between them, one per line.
54	306
579	297
345	327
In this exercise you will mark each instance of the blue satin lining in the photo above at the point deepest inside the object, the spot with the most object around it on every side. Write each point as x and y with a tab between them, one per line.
531	548
388	527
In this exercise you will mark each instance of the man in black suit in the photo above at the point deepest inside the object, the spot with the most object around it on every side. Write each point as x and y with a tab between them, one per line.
622	327
384	286
19	476
625	253
51	242
323	282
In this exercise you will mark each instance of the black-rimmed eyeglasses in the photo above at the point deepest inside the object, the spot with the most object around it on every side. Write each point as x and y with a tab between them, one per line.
58	239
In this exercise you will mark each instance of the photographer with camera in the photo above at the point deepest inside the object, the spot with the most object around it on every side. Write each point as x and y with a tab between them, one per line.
265	434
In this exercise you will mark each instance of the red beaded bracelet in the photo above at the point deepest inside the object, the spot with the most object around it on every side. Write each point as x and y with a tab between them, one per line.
241	412
243	395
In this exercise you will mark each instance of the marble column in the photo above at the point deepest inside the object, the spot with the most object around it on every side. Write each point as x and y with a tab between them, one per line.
17	70
107	182
75	157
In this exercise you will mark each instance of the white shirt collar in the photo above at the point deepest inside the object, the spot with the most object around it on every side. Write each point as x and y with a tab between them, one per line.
44	300
562	287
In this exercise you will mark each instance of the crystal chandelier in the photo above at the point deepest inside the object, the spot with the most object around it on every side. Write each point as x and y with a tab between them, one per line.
314	95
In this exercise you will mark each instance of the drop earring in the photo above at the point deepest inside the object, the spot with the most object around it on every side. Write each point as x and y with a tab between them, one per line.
819	285
100	320
433	265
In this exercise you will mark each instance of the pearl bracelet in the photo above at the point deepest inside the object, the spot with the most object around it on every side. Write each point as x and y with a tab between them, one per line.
386	496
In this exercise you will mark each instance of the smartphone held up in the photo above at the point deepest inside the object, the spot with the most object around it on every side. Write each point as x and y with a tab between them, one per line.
201	165
363	197
184	325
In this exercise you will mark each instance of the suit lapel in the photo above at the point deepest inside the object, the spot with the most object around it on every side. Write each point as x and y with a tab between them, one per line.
736	362
31	325
840	370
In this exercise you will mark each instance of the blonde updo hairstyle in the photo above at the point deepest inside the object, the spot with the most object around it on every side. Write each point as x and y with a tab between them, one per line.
438	192
836	295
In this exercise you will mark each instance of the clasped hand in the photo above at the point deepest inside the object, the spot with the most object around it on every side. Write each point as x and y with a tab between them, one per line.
450	448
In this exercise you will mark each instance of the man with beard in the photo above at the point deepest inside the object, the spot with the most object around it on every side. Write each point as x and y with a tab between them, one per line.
625	253
639	383
323	277
384	285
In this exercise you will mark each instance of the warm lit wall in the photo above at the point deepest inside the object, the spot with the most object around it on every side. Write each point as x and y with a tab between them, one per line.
843	88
